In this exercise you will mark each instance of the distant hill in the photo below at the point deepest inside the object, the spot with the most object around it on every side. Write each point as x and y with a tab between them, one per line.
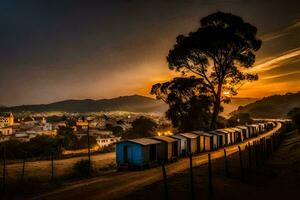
276	106
235	103
134	103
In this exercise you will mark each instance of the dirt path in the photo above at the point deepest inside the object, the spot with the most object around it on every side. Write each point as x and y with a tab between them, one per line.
119	184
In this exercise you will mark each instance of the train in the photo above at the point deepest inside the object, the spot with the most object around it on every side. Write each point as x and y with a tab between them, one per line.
147	152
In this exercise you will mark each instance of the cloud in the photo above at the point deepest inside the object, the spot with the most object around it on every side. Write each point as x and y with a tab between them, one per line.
281	75
273	62
277	34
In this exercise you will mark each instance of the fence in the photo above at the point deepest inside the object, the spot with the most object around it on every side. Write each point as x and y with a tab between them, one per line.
247	160
53	169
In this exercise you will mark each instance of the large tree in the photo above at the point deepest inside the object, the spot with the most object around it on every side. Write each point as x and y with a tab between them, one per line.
216	53
189	103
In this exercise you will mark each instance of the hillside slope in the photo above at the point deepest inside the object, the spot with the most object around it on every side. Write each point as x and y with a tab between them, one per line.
276	106
134	103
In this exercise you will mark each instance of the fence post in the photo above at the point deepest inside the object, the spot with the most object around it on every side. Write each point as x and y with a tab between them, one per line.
165	181
272	144
226	163
256	155
4	170
191	177
23	167
52	166
241	164
210	184
249	156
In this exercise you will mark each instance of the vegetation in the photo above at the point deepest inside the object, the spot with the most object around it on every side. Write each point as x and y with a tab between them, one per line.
141	127
214	54
116	130
68	138
239	119
189	106
82	142
294	114
276	106
41	146
82	168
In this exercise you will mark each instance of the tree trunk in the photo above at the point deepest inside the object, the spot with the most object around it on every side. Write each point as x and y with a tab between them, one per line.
216	108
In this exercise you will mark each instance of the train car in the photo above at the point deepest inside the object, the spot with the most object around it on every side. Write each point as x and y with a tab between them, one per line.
251	130
210	141
270	125
239	134
221	138
227	136
192	142
245	131
137	152
262	127
233	135
182	145
169	150
255	129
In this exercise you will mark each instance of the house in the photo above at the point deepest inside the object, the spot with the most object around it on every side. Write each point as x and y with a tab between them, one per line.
6	119
169	149
192	142
6	131
82	124
137	152
182	144
106	141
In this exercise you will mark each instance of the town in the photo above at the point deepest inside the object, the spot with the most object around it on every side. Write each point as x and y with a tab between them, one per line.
105	128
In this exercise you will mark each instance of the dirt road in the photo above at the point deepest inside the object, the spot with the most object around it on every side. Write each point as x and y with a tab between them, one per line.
122	183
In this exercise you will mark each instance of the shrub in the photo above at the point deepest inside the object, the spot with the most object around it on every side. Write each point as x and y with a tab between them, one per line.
82	168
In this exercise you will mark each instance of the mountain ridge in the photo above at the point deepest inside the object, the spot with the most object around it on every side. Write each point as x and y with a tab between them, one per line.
275	106
132	103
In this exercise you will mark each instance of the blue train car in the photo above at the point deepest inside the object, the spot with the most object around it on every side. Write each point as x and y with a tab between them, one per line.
137	152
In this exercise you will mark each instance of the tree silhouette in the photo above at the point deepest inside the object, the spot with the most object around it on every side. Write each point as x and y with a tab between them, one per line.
189	103
216	52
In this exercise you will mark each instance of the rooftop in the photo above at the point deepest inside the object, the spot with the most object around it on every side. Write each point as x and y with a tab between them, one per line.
165	139
189	135
144	141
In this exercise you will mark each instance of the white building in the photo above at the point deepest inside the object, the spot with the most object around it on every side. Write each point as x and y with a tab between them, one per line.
6	119
6	131
106	141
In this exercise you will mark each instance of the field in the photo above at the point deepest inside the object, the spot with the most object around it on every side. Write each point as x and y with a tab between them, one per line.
42	169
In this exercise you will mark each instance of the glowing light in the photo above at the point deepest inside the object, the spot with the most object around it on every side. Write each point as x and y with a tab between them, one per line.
226	93
165	133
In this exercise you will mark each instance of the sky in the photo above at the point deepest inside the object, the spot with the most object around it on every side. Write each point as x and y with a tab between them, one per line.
70	49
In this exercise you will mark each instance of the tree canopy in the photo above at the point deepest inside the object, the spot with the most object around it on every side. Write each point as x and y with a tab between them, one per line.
215	54
294	114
